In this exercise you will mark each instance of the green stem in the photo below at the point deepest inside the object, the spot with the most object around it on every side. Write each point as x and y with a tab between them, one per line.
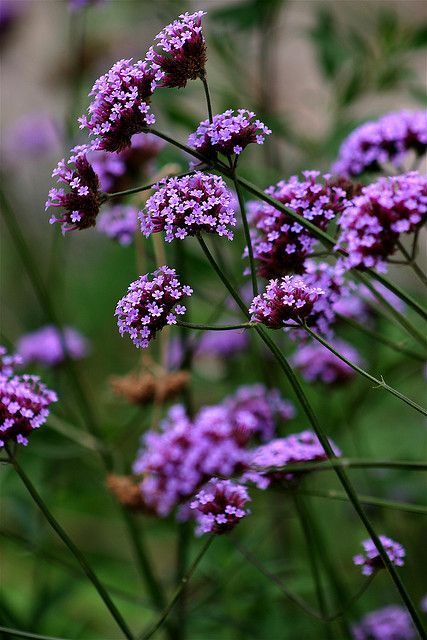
184	535
380	338
72	548
414	266
365	374
354	598
348	463
146	187
17	633
370	500
324	441
247	234
213	327
207	94
180	588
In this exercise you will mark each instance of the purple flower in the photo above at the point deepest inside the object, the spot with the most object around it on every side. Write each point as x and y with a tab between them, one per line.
32	135
181	54
24	402
119	223
383	141
372	224
117	171
285	299
8	363
222	344
44	346
151	304
371	560
423	603
220	506
81	202
185	206
317	363
121	105
280	244
296	448
390	623
228	133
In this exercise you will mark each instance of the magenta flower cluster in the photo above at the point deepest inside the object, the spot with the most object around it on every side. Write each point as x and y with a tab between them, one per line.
121	105
371	225
222	344
229	133
8	362
119	222
151	304
44	346
81	200
371	561
280	244
189	205
24	402
318	364
219	506
390	623
386	140
181	51
285	300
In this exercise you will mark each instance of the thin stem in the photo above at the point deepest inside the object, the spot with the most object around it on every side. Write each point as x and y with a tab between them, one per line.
380	338
354	598
247	234
208	97
370	500
324	441
26	634
180	588
147	187
213	327
380	383
411	262
72	548
184	535
348	463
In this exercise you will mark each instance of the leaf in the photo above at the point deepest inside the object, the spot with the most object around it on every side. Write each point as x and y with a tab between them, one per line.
418	39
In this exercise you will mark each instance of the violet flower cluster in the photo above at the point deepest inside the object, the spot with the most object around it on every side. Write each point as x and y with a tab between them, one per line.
222	344
24	402
390	623
189	205
386	140
229	133
44	346
181	51
318	364
32	136
119	222
285	300
8	362
371	225
150	305
121	105
219	506
371	561
81	201
280	244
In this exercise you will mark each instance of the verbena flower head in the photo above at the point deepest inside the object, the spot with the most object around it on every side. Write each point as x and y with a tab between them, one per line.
181	51
8	362
121	105
24	405
32	136
44	346
188	205
119	223
118	171
280	244
285	299
222	344
81	200
371	561
151	304
229	133
383	141
219	506
317	363
390	623
372	224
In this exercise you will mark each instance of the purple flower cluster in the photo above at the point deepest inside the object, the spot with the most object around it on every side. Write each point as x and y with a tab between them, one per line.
390	623
117	171
371	225
228	133
383	141
280	244
151	304
287	299
317	363
222	344
219	506
24	402
188	205
32	136
119	223
81	202
371	561
44	346
121	105
182	51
